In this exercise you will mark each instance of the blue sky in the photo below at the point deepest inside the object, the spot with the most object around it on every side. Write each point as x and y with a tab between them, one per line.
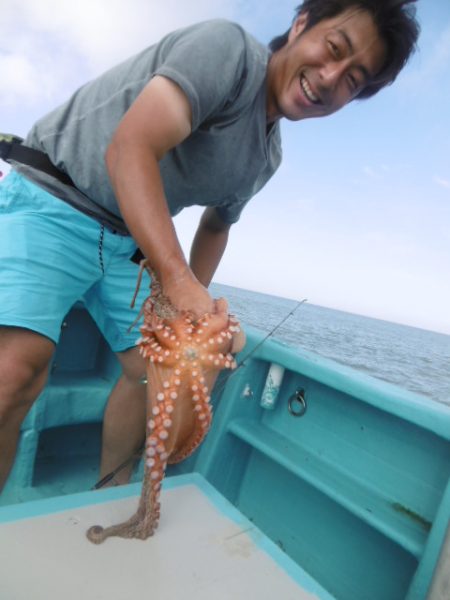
357	217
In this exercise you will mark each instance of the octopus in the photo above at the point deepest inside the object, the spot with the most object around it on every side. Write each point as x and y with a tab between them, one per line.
183	359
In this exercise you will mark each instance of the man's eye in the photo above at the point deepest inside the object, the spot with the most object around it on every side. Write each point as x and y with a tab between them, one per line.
352	83
334	49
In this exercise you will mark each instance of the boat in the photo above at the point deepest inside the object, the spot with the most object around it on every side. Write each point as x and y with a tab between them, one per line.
315	481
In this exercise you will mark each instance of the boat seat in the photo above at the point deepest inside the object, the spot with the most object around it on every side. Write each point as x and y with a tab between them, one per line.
82	374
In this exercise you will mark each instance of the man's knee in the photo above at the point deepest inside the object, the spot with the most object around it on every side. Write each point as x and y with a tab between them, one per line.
24	364
133	366
20	385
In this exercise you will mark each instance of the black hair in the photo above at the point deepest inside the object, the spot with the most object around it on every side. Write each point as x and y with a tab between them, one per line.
396	23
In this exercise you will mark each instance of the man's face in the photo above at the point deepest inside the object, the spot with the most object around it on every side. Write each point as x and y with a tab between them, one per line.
320	70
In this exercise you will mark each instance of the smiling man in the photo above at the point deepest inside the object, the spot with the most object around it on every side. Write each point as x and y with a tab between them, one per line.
322	68
193	119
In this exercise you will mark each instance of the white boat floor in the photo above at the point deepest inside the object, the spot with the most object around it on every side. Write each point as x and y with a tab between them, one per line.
203	549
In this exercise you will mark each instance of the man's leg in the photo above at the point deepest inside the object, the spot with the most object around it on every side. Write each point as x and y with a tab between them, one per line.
24	360
50	256
124	419
108	302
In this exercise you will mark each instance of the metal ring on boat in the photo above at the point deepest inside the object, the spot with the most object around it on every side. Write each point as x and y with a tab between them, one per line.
297	404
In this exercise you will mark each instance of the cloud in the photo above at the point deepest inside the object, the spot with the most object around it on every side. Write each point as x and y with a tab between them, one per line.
18	77
376	172
430	64
27	80
441	55
50	47
442	182
369	171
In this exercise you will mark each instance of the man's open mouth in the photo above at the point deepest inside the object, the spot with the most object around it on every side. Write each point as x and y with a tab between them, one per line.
308	91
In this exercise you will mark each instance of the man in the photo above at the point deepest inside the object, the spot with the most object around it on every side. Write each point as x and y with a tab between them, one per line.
192	120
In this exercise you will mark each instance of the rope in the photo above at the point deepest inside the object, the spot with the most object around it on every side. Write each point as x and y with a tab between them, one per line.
100	249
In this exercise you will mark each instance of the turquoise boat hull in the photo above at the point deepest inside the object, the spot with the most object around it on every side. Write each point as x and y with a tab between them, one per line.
347	475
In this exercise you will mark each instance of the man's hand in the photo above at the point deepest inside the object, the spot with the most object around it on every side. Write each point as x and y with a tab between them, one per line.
186	293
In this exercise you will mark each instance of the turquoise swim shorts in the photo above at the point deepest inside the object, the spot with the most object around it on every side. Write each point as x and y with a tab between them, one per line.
52	255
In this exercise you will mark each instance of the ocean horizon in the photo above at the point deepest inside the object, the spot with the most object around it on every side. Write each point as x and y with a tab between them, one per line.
409	357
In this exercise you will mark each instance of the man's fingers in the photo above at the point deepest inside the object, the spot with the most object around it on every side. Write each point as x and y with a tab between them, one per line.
221	306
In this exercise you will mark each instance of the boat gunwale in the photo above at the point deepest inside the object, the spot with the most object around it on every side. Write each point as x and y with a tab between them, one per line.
414	408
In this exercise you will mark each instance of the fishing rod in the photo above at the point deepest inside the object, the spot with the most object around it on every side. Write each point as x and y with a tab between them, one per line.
110	476
136	455
277	326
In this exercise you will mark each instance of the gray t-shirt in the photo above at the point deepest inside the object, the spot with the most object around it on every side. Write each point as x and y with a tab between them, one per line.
229	155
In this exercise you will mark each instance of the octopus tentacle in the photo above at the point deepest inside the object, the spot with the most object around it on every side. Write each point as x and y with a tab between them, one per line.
184	357
203	417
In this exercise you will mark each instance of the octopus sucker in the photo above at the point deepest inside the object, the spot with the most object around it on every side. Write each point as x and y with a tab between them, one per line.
183	359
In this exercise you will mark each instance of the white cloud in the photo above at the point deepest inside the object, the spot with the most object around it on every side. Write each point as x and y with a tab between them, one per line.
441	55
442	182
376	172
25	80
50	47
430	64
19	78
369	171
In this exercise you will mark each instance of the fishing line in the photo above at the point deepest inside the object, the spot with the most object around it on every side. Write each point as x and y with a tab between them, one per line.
253	350
136	455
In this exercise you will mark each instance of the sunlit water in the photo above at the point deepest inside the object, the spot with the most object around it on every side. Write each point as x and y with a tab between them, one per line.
411	358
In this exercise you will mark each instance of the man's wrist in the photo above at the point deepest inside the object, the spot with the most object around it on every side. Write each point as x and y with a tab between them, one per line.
175	272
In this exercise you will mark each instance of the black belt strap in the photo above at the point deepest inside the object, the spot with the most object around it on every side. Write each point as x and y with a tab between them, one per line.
12	149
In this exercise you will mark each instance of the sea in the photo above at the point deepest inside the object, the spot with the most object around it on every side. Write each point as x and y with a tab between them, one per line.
413	359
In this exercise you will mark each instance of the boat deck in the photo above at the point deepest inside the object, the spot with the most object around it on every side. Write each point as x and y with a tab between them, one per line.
204	548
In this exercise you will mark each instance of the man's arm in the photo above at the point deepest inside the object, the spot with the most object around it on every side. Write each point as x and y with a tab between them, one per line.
208	246
158	120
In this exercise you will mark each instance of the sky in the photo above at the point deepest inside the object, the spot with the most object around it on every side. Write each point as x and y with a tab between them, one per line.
357	218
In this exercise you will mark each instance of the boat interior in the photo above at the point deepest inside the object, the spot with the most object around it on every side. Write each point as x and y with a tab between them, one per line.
347	475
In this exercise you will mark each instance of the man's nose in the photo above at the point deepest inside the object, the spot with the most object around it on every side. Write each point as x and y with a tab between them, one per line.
331	73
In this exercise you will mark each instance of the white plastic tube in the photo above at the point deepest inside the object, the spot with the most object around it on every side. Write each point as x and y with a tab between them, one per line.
272	386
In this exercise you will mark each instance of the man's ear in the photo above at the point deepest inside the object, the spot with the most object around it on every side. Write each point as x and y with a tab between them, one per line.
298	25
